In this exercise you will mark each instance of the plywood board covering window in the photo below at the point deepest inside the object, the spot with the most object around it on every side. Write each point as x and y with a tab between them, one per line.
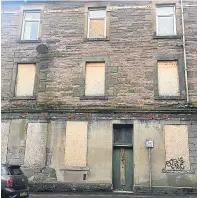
176	146
97	24
95	79
97	28
25	79
76	143
168	78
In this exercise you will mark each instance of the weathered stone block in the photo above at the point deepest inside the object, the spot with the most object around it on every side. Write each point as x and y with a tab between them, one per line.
17	141
5	129
46	174
193	153
35	153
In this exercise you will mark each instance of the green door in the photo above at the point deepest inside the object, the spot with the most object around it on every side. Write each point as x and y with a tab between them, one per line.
123	168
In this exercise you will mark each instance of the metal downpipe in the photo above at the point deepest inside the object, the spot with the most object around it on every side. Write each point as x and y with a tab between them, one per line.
184	51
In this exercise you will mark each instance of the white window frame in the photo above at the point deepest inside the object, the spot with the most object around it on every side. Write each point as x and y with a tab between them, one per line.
30	20
105	25
169	15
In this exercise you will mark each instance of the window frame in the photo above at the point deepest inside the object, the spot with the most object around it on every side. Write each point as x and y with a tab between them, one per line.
174	17
120	126
181	78
15	168
14	82
87	84
83	79
33	20
105	22
96	6
68	136
189	170
177	78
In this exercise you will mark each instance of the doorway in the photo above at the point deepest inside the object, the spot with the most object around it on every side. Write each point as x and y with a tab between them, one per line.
123	157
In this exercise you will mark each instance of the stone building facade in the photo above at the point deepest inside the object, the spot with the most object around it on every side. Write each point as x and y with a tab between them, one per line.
88	86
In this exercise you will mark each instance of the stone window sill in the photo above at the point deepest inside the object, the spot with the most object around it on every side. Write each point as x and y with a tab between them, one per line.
29	41
96	39
167	37
93	98
75	168
178	171
24	98
169	98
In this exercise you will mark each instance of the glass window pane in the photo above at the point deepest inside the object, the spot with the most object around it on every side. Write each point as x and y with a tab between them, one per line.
166	26
123	134
31	31
96	28
32	15
97	13
16	171
168	10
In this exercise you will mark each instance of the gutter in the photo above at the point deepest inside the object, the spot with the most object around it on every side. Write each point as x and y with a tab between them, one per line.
185	57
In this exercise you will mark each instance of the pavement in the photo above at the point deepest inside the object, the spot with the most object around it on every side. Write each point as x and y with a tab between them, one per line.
104	195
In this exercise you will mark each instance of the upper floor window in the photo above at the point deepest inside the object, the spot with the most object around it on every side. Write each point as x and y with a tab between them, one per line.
168	78
166	20
25	80
95	79
97	23
31	23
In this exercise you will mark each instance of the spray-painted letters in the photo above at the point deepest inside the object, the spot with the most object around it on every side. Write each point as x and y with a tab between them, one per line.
175	164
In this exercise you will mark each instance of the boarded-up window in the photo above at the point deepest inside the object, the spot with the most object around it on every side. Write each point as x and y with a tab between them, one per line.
25	79
97	24
176	146
168	78
76	143
95	79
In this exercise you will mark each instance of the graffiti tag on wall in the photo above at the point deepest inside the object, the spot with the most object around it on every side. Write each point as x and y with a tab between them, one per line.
175	164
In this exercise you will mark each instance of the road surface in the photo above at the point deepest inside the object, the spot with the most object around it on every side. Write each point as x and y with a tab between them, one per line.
106	195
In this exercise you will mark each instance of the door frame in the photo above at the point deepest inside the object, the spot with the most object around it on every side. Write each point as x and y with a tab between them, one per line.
124	146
